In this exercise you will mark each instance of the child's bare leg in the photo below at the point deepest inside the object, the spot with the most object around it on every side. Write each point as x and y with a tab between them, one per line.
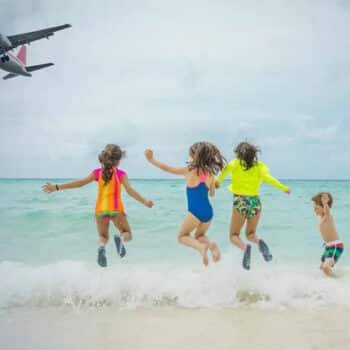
237	222
188	225
252	224
103	235
200	235
103	230
251	229
327	268
121	223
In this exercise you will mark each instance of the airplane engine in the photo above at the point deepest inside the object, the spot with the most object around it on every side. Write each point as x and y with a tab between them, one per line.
4	44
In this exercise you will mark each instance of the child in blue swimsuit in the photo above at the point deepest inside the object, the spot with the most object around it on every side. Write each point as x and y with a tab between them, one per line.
205	162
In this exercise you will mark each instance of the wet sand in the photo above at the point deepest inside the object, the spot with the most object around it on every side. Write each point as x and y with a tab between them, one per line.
174	328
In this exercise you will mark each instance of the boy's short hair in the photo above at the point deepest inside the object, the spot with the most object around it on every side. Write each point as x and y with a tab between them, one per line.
318	201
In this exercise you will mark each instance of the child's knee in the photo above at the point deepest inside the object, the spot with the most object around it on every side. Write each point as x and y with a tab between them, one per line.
199	235
104	235
181	237
234	235
251	235
127	236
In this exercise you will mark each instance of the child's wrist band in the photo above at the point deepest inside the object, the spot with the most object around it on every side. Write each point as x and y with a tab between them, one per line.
57	188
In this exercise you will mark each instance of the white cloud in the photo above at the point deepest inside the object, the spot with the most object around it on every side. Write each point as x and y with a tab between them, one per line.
165	74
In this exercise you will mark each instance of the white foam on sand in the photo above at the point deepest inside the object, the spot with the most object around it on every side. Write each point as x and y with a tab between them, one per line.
225	285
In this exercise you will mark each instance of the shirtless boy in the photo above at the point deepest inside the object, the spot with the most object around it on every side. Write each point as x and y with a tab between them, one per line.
333	245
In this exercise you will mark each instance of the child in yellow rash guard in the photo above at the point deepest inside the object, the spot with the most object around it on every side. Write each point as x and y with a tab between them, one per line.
247	174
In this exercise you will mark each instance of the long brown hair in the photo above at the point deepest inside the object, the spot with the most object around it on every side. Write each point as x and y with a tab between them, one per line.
109	158
206	157
247	154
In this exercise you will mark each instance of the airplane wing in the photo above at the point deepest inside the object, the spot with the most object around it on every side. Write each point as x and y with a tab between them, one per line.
37	67
27	38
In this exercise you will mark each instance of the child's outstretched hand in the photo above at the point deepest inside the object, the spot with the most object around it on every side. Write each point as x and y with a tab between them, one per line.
149	154
288	191
48	188
148	203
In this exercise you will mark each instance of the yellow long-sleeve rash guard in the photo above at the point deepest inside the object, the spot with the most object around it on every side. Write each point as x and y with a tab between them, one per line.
247	182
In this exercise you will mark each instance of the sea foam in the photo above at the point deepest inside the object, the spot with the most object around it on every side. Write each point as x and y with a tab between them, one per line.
226	284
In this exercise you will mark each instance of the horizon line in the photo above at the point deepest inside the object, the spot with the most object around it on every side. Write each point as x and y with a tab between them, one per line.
164	179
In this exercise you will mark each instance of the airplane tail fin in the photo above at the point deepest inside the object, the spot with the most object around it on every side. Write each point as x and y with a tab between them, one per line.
22	54
39	66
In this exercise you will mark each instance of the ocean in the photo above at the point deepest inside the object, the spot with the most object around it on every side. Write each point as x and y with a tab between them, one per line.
48	269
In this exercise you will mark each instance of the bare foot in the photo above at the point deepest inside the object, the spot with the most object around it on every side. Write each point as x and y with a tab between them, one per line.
204	253
215	252
328	271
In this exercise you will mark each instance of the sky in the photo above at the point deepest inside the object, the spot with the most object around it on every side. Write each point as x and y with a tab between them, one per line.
164	74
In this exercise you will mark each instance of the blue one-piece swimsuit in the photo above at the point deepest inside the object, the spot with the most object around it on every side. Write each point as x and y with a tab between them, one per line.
198	201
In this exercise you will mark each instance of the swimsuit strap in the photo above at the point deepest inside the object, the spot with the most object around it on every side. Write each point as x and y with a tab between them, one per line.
203	177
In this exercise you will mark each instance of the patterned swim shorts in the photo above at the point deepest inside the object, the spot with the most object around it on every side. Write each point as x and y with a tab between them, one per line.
248	206
332	252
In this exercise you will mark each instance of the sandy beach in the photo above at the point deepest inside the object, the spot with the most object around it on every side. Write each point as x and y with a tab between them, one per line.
174	328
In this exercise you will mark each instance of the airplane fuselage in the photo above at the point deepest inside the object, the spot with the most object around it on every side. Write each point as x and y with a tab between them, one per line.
5	44
12	64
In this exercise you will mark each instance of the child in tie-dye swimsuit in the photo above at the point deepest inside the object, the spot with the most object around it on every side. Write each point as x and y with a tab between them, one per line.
205	162
247	174
109	205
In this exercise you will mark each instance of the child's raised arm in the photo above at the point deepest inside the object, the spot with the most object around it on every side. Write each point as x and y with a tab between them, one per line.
325	201
48	188
134	194
163	166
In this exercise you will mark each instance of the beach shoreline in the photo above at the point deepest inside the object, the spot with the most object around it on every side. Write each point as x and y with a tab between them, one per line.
174	328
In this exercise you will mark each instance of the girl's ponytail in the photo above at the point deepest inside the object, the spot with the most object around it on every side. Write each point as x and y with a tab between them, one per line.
109	158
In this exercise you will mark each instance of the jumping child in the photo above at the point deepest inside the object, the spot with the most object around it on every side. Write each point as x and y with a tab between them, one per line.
109	205
247	174
205	162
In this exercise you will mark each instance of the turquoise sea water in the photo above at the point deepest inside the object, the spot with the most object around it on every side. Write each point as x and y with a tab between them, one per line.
49	242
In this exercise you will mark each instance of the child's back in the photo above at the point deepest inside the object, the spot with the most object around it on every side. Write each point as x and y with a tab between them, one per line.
247	181
333	245
322	204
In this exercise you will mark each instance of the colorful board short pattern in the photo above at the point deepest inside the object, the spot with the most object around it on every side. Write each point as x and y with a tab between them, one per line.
109	202
248	206
332	252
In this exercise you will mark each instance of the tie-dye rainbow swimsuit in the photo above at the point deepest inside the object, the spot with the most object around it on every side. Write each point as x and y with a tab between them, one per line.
109	200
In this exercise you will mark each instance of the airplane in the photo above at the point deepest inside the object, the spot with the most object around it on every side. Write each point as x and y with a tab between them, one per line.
16	65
